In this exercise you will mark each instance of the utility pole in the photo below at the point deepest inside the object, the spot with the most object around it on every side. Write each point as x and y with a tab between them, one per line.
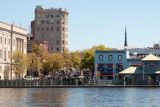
11	51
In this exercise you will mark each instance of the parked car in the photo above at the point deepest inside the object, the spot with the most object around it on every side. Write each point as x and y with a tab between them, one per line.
31	78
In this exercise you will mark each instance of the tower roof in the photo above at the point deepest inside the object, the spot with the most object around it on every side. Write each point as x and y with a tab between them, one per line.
125	42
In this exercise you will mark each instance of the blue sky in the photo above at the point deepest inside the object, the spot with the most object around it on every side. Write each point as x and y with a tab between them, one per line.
94	22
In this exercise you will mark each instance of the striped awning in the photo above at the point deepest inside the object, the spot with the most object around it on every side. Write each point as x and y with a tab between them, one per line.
151	57
130	70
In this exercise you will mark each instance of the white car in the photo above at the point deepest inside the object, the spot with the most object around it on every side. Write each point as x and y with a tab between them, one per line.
31	78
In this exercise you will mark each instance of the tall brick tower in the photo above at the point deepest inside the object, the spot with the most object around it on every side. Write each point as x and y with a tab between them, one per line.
51	25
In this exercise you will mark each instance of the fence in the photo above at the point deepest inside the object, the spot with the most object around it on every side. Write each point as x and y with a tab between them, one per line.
30	82
41	82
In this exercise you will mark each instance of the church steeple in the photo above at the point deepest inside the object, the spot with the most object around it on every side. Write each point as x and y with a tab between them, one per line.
125	42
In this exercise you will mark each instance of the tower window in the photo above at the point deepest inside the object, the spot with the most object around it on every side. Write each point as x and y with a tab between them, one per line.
57	49
63	42
57	21
51	15
51	21
42	22
57	42
47	15
63	28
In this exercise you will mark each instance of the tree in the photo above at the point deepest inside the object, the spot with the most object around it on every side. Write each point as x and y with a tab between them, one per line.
19	63
88	61
54	62
67	59
35	59
76	61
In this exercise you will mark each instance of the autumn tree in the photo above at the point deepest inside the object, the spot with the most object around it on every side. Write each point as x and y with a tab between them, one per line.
36	58
88	61
53	63
67	59
76	61
19	63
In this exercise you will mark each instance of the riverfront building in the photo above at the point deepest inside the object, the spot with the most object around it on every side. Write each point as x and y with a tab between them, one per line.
12	38
140	62
51	25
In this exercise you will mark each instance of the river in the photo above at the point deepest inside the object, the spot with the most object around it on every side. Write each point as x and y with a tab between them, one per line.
79	97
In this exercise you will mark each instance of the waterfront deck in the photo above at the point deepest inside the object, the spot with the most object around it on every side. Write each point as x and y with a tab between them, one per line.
86	86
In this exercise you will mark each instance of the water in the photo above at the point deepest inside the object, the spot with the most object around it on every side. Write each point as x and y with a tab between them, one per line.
79	97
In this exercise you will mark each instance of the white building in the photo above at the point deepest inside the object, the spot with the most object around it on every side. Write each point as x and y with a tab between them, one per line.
12	38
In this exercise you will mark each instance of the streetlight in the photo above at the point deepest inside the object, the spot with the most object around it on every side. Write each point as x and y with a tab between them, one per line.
95	65
143	71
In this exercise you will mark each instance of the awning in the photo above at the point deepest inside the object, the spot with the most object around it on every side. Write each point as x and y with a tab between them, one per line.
151	57
130	70
157	72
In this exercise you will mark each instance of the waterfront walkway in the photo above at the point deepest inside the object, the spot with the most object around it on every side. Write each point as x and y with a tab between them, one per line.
64	84
86	86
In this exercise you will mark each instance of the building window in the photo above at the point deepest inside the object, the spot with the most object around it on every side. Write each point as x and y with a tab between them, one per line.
57	42
57	21
63	42
119	57
110	57
51	21
5	55
0	69
100	57
47	15
57	49
63	28
51	15
42	22
8	54
5	41
0	54
57	15
1	39
9	41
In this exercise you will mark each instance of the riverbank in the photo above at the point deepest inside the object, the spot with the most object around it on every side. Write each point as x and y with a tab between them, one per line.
86	86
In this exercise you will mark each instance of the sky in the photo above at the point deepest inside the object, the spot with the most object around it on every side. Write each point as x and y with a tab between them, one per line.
95	22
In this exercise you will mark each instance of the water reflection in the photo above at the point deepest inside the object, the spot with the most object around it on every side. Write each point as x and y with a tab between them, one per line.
79	97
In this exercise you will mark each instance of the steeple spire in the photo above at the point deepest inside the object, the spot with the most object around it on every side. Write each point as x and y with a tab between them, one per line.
125	42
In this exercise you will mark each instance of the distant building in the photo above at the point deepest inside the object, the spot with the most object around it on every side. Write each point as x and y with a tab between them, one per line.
30	42
12	38
110	62
51	25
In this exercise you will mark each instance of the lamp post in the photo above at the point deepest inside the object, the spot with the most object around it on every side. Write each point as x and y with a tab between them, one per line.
95	66
143	72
